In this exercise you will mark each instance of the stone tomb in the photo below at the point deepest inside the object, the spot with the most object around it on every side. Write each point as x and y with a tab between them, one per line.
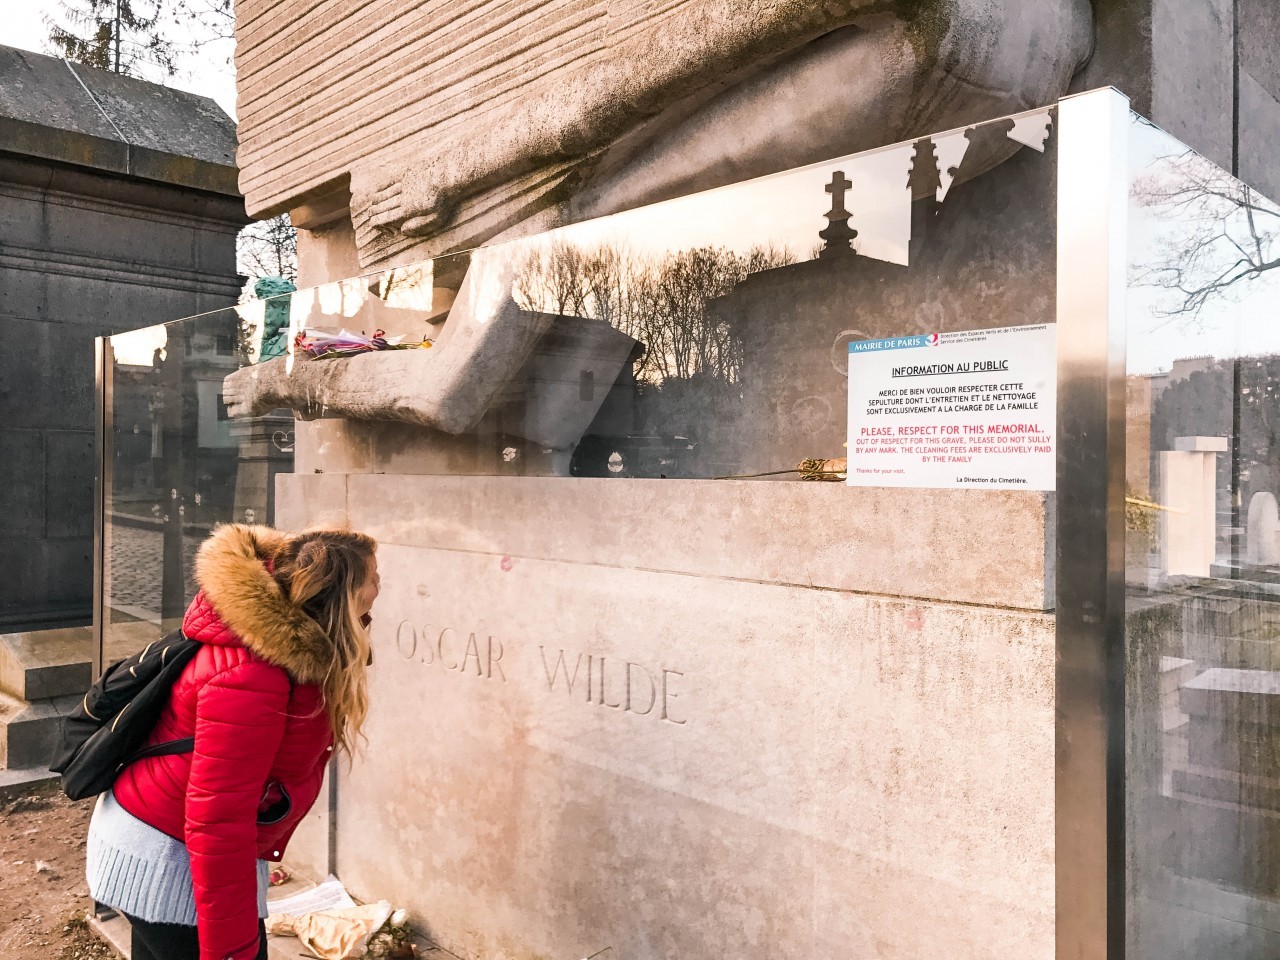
1188	484
1230	789
692	719
119	208
1262	545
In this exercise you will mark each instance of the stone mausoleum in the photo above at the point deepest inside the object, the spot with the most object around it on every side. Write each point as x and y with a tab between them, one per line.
646	682
118	204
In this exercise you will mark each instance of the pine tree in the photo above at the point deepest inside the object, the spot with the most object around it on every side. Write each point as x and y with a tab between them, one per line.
123	36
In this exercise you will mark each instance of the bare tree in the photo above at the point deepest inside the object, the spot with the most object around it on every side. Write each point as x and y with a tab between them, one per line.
216	17
1226	234
662	303
268	248
206	22
123	36
554	277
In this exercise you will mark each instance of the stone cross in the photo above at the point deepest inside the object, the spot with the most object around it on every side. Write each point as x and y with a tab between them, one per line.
924	178
838	233
837	188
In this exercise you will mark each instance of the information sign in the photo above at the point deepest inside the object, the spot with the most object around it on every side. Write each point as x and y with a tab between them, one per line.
973	409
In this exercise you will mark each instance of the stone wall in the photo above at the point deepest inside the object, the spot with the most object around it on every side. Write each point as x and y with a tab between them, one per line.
1258	112
693	719
1206	71
443	125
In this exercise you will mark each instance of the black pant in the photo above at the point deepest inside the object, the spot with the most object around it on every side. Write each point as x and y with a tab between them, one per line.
173	941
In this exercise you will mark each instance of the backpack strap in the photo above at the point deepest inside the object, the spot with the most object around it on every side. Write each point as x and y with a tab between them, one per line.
185	745
168	747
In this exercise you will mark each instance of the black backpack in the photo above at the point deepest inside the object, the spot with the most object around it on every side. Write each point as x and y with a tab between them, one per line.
106	732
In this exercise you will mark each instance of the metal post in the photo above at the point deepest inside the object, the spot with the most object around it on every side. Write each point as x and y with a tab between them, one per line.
99	505
104	456
173	488
1093	183
116	36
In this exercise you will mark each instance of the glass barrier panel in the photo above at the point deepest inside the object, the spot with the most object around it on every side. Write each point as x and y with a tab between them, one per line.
1202	558
702	337
694	342
178	464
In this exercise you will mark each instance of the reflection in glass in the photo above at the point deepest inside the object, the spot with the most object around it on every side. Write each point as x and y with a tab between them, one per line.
1203	567
699	337
179	464
696	338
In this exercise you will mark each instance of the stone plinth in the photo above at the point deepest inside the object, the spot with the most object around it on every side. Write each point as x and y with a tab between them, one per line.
684	718
1232	631
265	451
1188	489
1229	792
46	663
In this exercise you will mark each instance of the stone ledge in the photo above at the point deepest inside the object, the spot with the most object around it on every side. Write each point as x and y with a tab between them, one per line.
27	780
114	932
30	732
34	179
27	139
85	117
990	548
37	664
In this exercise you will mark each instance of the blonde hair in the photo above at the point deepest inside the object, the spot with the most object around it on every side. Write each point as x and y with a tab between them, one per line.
322	571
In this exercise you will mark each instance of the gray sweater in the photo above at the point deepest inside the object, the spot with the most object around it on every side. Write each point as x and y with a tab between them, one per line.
134	868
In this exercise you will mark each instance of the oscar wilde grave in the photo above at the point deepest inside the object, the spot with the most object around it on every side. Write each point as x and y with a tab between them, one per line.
676	716
637	702
638	692
667	731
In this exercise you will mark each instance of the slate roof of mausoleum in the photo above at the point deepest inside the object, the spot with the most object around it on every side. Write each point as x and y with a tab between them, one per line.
54	109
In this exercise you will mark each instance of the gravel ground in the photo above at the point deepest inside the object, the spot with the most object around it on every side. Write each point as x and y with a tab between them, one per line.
43	896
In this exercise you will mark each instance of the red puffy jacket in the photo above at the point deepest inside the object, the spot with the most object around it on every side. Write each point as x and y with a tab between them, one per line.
262	737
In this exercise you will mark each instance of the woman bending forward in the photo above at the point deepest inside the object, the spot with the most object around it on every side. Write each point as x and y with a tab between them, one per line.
180	844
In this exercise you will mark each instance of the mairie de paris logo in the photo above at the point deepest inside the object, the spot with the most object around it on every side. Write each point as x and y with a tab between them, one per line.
931	340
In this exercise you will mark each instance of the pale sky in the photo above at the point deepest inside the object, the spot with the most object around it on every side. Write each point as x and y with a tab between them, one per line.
207	73
1244	321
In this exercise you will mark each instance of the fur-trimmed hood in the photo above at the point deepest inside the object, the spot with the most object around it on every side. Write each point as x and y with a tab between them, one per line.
232	574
